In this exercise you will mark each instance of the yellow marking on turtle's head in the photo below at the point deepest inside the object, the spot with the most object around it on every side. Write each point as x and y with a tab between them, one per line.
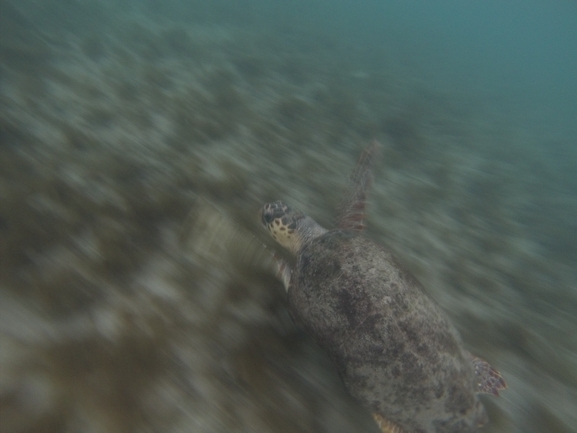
290	228
282	233
281	222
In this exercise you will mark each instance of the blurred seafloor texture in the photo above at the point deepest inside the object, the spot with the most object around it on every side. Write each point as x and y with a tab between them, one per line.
138	139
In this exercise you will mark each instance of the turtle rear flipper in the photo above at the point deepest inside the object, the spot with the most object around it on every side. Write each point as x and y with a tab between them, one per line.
351	213
489	380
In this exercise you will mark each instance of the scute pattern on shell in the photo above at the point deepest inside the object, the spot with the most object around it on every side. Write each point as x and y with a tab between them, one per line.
395	349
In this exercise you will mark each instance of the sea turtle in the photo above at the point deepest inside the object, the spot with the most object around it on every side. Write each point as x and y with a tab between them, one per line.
395	349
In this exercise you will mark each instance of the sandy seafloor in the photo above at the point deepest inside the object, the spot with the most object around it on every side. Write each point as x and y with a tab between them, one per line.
135	293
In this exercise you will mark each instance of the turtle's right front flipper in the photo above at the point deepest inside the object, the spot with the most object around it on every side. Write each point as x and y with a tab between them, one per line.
351	213
489	380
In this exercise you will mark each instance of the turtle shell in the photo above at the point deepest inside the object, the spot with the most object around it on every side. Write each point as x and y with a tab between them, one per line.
395	349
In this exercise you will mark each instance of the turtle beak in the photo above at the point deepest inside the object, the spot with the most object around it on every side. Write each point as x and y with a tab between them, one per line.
266	214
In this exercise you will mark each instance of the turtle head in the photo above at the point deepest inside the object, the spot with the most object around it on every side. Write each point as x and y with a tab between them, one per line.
289	227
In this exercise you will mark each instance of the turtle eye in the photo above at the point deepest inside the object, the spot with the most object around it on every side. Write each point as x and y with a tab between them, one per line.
267	216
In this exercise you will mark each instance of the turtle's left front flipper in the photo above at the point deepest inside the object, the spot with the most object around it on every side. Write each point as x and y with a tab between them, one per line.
385	425
489	379
284	271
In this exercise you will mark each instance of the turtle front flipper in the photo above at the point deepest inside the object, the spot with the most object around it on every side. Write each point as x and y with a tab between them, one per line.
387	426
489	380
284	271
351	213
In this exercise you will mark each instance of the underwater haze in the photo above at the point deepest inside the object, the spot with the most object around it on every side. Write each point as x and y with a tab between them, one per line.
139	138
